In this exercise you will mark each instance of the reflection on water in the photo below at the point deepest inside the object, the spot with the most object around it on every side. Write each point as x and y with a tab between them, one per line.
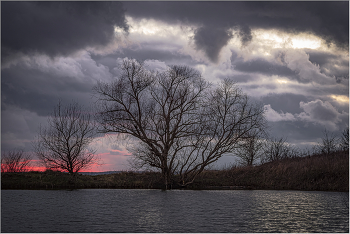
108	210
300	211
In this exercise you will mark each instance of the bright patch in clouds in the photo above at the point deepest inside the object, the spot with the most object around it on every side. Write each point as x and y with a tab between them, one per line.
306	43
280	81
279	39
340	98
151	27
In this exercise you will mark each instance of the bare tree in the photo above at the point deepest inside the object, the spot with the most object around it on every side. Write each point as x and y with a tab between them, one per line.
276	149
227	117
178	123
295	152
63	144
158	110
250	149
344	141
329	143
15	161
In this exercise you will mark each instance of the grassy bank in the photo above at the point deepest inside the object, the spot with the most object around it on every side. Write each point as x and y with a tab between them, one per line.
319	172
59	180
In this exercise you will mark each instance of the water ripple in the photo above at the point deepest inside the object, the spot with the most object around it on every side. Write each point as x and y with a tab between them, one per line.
108	210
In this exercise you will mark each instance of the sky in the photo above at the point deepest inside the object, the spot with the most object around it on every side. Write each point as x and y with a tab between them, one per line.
293	57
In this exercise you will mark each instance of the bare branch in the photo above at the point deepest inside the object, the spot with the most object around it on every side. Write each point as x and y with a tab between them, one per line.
276	149
345	140
63	144
329	144
15	161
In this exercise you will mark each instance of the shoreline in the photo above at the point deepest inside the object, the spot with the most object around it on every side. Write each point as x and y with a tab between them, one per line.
187	189
315	173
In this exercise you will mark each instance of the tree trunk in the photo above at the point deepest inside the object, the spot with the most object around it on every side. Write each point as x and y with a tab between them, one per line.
167	179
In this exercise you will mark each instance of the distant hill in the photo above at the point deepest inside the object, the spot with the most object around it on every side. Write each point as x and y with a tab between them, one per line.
105	172
100	173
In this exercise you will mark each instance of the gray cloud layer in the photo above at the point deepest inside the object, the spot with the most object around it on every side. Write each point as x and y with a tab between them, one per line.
329	20
57	28
264	67
60	28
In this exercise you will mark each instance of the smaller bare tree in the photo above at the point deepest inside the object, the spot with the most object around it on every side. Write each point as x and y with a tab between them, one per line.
250	149
276	149
329	143
15	161
344	141
63	144
295	152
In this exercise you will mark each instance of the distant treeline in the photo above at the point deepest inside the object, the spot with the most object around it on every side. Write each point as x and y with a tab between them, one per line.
318	172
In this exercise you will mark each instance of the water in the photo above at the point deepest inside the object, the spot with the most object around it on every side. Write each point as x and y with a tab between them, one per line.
114	210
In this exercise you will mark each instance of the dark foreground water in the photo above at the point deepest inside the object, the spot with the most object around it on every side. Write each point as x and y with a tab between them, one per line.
114	210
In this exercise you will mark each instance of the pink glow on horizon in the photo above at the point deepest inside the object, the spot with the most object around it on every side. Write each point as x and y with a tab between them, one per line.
107	162
110	162
113	160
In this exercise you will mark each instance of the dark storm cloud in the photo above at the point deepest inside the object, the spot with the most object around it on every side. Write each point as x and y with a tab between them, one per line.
329	20
264	67
58	28
211	40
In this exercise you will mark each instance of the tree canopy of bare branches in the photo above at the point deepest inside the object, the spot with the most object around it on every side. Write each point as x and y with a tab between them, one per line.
329	143
276	149
344	141
251	149
63	144
15	161
180	123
